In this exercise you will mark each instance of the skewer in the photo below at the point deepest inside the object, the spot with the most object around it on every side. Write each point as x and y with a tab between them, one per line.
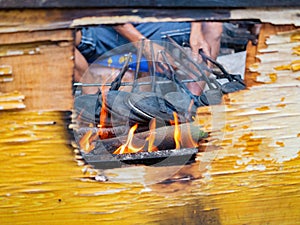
115	85
138	62
180	84
155	87
79	84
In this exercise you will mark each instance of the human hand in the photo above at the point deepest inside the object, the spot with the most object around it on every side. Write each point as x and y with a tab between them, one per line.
197	41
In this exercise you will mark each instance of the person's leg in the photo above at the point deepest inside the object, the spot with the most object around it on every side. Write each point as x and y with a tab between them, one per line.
81	65
179	31
83	75
82	72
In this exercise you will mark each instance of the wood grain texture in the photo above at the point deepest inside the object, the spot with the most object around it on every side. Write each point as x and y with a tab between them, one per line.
45	36
15	20
147	3
43	76
252	177
10	101
252	51
48	19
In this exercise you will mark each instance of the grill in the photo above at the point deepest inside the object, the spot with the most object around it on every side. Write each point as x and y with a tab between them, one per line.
166	99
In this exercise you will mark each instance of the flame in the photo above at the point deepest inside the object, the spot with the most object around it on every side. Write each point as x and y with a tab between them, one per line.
128	146
103	115
191	143
177	133
151	138
85	142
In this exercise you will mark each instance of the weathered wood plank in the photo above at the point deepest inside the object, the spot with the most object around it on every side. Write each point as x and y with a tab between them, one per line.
50	19
45	36
252	179
40	19
42	68
252	51
9	101
261	123
146	3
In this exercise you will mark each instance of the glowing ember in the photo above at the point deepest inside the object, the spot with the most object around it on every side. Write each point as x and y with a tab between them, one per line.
151	138
128	146
85	142
177	133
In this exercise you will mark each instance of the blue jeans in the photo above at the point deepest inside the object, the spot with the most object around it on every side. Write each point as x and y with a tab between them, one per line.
98	40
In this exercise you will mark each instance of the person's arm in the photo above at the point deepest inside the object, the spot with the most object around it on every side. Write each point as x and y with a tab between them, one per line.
212	32
129	32
197	40
205	36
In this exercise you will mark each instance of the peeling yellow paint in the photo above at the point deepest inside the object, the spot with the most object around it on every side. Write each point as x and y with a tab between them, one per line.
263	108
273	77
5	70
295	36
296	50
252	178
294	66
13	100
283	67
281	105
280	143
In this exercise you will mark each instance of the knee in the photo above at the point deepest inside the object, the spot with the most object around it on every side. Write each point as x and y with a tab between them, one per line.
77	37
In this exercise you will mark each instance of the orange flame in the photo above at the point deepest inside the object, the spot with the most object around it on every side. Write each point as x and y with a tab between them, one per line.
177	133
151	138
103	116
191	143
128	146
85	142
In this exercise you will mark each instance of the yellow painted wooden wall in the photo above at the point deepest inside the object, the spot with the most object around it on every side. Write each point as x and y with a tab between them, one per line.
251	176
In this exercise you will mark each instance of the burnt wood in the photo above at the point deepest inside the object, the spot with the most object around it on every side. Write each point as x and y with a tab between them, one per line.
146	3
165	133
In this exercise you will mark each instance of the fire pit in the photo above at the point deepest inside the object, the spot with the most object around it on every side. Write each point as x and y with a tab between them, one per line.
161	146
152	124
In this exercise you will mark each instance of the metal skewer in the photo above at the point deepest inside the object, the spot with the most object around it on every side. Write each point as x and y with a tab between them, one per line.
78	84
180	84
156	88
115	85
138	64
203	75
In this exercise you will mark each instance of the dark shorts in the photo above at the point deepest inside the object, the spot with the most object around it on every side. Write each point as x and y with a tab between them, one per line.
98	40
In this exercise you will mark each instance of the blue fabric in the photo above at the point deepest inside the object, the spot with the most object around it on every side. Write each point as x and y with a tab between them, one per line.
98	40
117	61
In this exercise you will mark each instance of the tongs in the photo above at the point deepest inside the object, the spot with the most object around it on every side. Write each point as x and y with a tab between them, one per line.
115	85
212	96
171	74
224	74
